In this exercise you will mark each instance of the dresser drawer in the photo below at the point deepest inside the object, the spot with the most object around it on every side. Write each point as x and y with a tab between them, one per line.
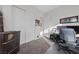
8	46
0	44
7	37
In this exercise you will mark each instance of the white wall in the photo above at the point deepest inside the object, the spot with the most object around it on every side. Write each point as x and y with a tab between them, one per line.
33	13
52	18
8	18
21	18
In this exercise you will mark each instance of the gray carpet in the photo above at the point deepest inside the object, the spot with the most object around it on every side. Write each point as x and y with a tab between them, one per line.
39	46
54	50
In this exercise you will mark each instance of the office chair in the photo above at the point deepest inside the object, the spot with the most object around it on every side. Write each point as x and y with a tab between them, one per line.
68	35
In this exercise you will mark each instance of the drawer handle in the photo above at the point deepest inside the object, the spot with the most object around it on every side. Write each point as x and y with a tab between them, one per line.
8	42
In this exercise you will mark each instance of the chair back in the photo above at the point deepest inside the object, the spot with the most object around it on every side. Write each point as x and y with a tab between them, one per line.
69	35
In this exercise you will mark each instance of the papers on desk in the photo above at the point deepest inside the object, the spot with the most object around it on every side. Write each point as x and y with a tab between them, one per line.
77	35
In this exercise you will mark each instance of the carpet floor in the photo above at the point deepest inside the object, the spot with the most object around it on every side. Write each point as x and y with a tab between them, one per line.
39	46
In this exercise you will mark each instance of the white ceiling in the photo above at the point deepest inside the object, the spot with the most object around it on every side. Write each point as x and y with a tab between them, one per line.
46	8
42	8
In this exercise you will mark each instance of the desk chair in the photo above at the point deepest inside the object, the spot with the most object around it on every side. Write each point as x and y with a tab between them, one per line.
69	36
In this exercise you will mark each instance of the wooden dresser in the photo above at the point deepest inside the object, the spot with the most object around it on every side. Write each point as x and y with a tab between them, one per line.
9	42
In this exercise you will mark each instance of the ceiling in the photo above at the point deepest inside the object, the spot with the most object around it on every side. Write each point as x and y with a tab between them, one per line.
46	8
42	8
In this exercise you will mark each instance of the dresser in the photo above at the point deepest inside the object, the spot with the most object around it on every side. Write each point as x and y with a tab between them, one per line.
9	42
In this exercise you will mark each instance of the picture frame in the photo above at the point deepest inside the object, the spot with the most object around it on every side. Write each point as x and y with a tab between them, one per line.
73	19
